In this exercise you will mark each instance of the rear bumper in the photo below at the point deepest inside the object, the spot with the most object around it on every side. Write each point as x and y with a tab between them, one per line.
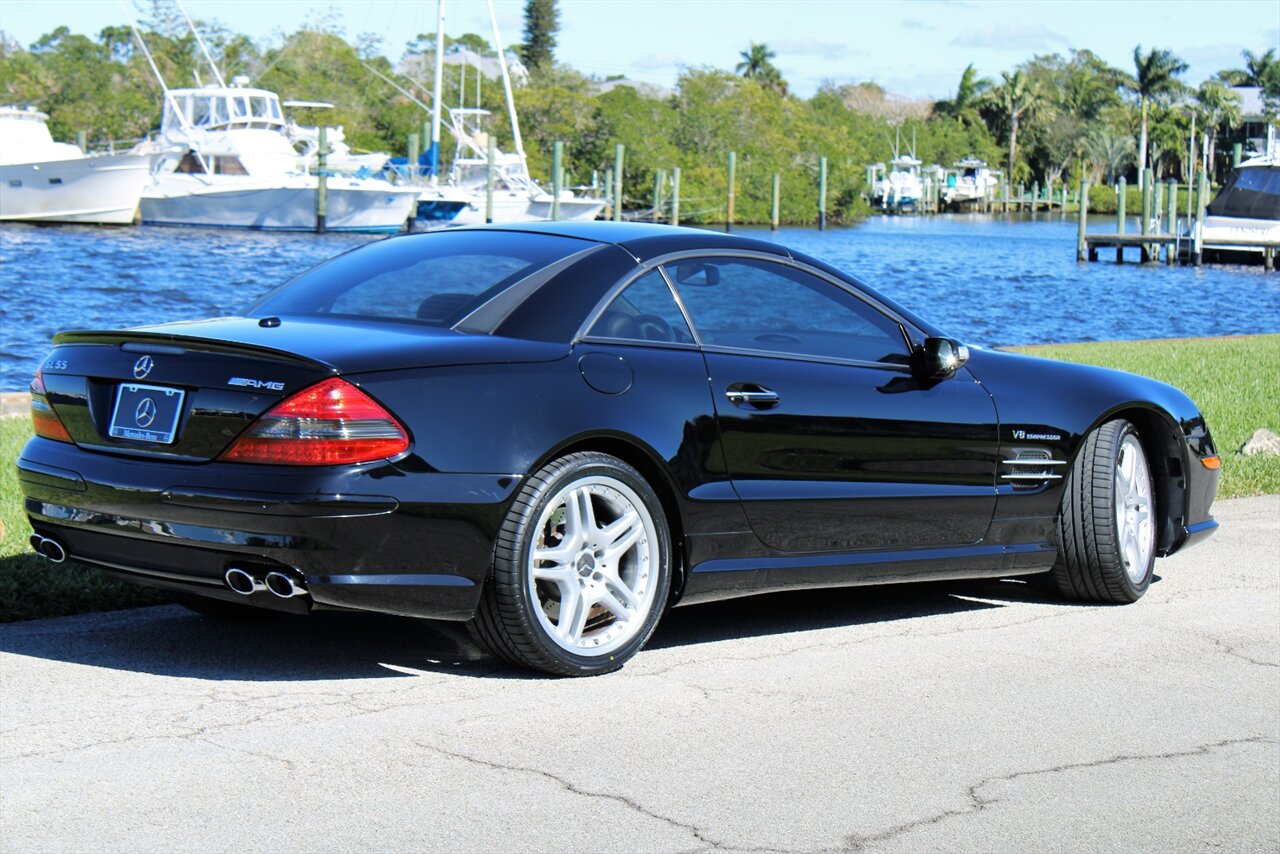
378	537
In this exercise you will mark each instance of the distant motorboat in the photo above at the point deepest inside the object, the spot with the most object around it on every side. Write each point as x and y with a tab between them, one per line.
224	159
46	181
1245	214
971	183
901	188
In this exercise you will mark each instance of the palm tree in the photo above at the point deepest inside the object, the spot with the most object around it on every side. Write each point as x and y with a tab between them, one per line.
1014	98
756	65
963	107
1218	107
1110	152
1255	71
1156	77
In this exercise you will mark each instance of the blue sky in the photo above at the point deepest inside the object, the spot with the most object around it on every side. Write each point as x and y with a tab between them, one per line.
912	47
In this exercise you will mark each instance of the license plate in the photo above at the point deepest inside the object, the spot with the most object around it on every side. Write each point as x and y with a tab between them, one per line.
146	413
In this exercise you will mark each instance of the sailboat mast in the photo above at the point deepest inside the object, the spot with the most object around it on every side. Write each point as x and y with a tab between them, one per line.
438	100
506	84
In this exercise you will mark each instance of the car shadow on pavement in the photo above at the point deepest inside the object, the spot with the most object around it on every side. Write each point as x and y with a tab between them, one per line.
170	641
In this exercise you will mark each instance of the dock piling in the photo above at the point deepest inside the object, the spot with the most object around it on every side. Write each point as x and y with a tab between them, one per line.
777	201
608	194
822	193
619	156
733	166
412	172
491	154
675	196
82	141
557	175
322	182
1144	253
1202	194
1082	220
659	178
1121	193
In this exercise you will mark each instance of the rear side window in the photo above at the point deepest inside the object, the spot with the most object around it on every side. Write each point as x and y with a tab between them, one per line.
644	311
433	279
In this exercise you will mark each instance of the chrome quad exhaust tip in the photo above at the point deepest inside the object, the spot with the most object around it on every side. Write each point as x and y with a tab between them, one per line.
284	585
242	581
48	548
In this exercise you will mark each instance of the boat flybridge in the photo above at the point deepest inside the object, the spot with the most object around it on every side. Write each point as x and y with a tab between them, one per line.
46	181
516	196
224	158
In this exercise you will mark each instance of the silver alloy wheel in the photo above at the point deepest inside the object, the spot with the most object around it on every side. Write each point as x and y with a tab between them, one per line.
1135	531
592	566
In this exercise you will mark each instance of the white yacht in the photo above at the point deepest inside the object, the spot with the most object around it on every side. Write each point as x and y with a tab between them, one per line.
1245	214
224	159
901	188
46	181
971	182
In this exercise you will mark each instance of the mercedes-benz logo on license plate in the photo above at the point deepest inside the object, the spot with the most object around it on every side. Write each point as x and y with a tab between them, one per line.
145	413
142	367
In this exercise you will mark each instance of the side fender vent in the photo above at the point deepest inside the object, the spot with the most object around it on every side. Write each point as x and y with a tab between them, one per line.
1031	467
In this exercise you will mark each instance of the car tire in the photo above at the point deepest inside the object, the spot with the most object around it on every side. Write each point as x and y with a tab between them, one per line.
219	609
581	569
1107	521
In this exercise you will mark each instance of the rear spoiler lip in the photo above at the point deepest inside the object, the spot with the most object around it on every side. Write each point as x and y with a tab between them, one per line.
187	342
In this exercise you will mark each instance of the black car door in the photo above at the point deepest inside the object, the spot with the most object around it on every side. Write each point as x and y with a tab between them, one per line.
830	441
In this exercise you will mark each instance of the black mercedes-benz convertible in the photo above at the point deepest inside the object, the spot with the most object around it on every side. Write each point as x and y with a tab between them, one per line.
557	431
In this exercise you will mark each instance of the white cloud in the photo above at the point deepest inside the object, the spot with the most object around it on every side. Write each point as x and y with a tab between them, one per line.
1020	37
658	61
830	51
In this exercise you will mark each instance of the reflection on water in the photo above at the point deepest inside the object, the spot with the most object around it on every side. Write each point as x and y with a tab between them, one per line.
986	280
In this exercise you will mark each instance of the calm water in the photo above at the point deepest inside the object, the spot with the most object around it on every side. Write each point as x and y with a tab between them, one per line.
986	280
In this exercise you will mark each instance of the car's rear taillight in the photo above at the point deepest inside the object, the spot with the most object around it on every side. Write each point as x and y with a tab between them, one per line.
330	423
44	420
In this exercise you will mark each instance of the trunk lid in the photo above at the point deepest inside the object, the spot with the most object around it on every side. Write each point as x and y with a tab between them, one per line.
185	391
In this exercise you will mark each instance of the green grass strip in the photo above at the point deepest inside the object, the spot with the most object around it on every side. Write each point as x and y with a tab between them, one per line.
1234	380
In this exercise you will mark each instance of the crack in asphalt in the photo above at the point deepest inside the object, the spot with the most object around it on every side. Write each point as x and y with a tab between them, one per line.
978	803
573	788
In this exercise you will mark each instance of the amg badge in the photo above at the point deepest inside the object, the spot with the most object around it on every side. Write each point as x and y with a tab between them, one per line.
245	382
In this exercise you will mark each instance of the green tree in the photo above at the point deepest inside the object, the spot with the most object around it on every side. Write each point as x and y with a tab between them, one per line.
1110	152
541	23
1256	68
964	106
1218	108
757	65
1013	100
1155	78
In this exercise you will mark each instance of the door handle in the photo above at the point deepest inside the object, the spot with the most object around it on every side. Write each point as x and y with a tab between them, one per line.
751	395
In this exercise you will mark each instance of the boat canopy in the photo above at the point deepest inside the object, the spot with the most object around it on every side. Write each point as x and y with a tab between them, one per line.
219	108
1251	192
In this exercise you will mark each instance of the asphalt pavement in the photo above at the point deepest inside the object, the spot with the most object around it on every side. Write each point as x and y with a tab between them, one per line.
976	716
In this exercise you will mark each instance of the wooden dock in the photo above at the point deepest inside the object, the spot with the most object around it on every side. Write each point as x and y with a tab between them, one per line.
1150	239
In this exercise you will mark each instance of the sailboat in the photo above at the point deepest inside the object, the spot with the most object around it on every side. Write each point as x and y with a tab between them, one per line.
517	197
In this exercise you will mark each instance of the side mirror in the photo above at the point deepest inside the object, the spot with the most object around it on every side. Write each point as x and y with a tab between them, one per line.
940	358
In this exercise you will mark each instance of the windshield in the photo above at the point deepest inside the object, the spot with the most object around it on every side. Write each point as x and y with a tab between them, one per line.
431	279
